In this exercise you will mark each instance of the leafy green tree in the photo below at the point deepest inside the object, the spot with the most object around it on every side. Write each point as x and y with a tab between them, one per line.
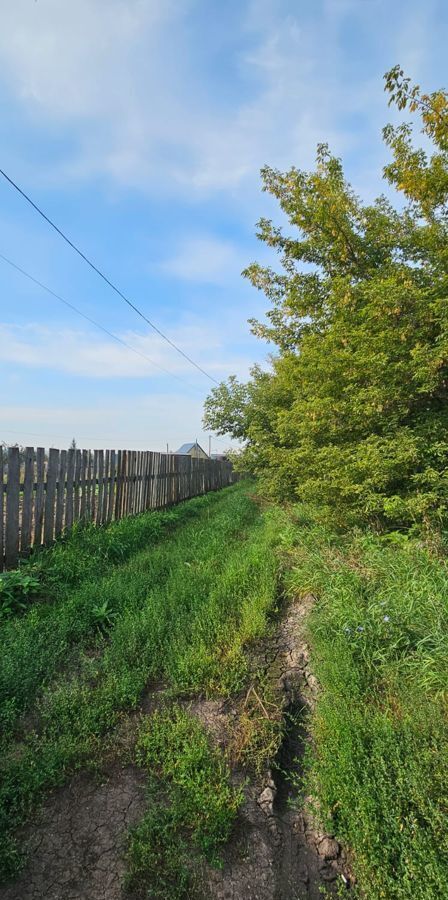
354	413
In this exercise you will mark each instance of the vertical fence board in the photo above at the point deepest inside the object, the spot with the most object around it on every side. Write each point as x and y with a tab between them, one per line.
60	494
106	487
99	495
142	485
118	484
147	499
69	494
140	467
131	484
27	501
39	498
88	486
76	486
95	487
12	508
112	487
152	481
50	495
140	461
82	508
134	477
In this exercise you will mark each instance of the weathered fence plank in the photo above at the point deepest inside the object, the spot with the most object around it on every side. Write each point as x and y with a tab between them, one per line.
69	494
50	495
99	497
112	486
39	498
76	485
104	506
27	501
88	514
60	494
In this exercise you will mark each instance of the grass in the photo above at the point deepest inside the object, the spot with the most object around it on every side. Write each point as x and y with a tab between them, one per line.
379	768
210	582
191	806
88	580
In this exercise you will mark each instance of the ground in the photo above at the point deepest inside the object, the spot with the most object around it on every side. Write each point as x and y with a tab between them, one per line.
77	844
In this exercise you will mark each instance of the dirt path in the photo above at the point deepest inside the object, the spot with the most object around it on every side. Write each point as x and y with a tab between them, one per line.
76	845
278	852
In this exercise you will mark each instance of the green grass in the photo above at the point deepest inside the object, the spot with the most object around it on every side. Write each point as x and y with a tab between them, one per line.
88	580
379	768
191	806
211	582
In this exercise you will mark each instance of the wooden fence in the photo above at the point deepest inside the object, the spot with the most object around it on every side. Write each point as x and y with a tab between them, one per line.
42	495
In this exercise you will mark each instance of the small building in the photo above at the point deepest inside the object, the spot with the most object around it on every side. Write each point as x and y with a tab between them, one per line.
194	449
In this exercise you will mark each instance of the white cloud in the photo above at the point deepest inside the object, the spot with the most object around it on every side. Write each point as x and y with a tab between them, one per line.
83	354
123	75
145	422
205	259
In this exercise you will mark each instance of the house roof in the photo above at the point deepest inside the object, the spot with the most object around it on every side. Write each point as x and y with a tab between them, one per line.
185	449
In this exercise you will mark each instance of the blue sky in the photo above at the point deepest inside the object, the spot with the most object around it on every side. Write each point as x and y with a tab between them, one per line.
140	127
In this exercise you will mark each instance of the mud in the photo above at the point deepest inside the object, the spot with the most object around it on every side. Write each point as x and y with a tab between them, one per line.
278	851
76	845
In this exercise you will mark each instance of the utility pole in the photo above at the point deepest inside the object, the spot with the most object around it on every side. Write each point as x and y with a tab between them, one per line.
210	446
167	450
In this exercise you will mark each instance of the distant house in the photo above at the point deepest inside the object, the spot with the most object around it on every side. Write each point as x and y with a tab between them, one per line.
193	449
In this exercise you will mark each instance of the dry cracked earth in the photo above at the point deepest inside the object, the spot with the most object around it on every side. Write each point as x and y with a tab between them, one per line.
76	845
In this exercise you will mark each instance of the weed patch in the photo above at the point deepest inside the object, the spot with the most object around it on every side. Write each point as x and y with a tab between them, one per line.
192	806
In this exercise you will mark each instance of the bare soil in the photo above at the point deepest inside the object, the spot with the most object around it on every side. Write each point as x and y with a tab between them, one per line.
76	844
278	851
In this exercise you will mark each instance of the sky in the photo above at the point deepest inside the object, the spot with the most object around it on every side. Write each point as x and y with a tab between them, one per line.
140	127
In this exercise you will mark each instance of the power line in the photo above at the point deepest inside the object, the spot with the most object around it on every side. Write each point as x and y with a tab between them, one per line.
87	318
104	277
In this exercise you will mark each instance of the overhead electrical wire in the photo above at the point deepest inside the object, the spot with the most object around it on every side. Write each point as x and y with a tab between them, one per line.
115	337
88	318
105	278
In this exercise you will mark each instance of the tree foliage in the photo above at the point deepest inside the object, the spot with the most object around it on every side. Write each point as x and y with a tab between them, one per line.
354	413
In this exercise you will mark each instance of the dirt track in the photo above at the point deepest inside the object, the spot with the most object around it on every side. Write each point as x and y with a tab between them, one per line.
76	845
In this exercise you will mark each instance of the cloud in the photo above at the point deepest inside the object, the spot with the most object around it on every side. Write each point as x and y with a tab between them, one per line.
130	81
83	354
148	422
205	259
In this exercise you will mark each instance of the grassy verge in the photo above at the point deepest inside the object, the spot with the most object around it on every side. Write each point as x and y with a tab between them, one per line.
211	583
380	650
89	580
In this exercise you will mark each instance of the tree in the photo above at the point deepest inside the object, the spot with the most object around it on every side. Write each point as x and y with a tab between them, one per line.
354	413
